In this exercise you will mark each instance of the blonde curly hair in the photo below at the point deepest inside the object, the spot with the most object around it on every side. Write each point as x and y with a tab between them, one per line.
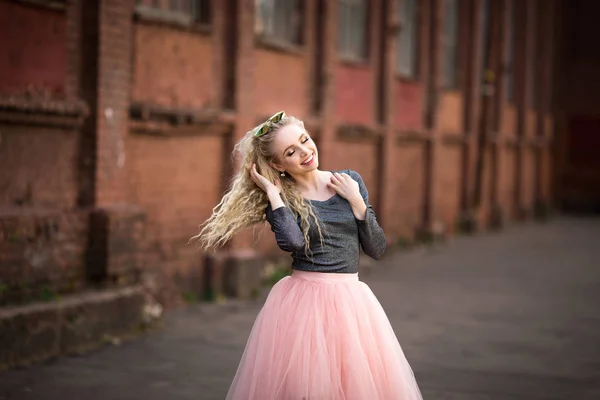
244	203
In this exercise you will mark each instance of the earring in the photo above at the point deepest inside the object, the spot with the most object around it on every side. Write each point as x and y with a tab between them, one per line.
282	173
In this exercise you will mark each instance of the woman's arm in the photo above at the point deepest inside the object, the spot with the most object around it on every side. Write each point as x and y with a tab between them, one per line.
372	237
351	187
288	234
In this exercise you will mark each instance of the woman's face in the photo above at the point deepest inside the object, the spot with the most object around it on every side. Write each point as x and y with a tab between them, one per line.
294	151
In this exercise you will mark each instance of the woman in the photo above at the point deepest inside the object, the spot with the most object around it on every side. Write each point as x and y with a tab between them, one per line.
321	333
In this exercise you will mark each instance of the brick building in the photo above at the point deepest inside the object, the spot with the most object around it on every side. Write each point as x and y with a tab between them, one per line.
117	119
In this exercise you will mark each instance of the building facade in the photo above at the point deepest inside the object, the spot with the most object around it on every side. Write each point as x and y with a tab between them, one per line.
117	121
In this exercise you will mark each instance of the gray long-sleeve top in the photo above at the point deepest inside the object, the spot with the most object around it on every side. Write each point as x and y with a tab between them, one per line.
342	234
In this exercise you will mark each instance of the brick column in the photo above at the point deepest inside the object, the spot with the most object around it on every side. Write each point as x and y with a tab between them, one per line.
375	25
524	17
328	120
74	44
498	130
236	269
433	83
546	30
114	77
472	82
313	58
219	37
560	63
244	88
117	228
472	109
386	100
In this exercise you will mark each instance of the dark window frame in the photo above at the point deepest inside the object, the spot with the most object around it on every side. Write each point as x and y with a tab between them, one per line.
533	59
279	23
511	51
188	13
485	19
412	71
352	44
59	5
451	47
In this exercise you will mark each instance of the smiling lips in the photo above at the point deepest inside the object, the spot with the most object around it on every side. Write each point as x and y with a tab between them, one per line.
309	160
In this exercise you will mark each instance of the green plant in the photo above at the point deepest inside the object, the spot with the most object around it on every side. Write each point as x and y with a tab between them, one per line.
425	237
254	293
190	297
403	243
466	223
277	274
209	295
47	294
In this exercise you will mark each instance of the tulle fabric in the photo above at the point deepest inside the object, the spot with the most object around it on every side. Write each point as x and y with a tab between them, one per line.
323	336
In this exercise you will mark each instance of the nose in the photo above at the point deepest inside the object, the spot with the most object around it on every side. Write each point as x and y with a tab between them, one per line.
304	150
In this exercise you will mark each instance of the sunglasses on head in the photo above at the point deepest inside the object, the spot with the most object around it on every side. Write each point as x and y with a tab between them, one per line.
265	127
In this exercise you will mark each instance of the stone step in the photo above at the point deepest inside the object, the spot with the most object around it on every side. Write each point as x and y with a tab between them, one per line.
72	325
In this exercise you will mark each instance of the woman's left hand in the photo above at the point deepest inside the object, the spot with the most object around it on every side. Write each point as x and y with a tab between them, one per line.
346	187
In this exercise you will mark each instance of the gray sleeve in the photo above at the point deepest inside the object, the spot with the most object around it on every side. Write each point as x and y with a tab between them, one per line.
371	235
288	234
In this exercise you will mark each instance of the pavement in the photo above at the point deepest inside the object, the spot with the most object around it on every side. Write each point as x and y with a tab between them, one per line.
502	316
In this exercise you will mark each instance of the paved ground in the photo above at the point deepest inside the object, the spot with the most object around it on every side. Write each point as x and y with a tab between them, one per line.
514	315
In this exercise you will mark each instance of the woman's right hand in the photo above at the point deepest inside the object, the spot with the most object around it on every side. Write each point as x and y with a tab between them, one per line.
263	183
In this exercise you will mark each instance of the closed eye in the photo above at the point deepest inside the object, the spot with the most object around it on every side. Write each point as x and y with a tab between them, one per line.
304	140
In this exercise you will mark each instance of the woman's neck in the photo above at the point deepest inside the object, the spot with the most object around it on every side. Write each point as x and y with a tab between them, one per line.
311	181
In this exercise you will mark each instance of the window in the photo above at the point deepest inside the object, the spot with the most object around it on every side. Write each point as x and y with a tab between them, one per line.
183	11
533	58
512	44
408	38
450	44
352	29
200	10
485	35
279	20
50	4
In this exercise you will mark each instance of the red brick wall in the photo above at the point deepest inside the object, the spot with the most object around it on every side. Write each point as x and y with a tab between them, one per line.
175	170
506	192
508	161
178	182
488	180
42	253
409	105
448	182
547	172
360	156
409	181
528	195
37	167
354	94
113	99
172	67
33	41
451	113
509	122
280	83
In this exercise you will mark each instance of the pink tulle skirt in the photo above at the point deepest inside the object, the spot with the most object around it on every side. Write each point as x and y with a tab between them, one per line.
323	336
